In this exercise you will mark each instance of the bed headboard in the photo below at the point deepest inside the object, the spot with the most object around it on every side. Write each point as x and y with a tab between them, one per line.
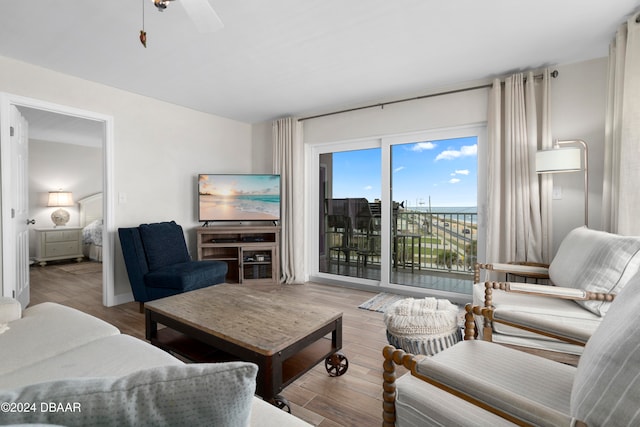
90	209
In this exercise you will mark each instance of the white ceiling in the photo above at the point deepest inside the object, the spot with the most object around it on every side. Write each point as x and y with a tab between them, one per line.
280	57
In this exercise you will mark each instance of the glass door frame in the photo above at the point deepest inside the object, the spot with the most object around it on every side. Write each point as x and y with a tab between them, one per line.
312	207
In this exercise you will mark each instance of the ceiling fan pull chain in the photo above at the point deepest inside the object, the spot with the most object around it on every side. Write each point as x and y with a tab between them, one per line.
143	33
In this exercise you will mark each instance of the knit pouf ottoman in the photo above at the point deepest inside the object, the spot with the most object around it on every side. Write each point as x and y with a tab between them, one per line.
422	326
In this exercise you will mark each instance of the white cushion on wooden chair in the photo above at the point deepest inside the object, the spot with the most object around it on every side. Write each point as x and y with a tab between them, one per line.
563	313
420	404
551	324
529	387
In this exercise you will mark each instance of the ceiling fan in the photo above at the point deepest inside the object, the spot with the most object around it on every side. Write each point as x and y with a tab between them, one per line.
200	12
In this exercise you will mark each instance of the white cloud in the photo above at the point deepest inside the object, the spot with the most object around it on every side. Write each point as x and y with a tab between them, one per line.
454	181
462	172
368	187
398	169
421	146
469	150
465	151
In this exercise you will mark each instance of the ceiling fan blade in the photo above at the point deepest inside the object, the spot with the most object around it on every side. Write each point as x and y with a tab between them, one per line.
202	15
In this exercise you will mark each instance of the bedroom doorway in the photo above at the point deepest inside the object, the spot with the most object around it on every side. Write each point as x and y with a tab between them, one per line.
62	128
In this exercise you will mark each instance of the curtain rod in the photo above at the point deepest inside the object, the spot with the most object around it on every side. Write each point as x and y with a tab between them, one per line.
553	74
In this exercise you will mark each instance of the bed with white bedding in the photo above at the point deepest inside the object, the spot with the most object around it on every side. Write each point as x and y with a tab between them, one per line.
91	222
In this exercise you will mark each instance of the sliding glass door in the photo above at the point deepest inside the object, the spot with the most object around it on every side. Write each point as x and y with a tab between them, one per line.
400	210
350	217
434	225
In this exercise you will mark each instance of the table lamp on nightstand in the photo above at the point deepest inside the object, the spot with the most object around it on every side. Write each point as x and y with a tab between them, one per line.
60	217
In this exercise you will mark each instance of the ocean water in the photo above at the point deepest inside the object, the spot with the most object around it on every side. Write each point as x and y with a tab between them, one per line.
268	204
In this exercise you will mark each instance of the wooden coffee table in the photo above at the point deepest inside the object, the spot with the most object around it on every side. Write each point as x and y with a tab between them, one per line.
285	337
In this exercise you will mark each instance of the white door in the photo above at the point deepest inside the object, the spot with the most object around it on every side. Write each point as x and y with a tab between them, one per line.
19	182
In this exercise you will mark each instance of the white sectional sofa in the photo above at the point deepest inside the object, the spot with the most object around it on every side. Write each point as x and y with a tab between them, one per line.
62	366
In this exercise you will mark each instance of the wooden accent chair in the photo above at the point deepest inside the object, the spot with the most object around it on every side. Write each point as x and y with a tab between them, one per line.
482	383
589	268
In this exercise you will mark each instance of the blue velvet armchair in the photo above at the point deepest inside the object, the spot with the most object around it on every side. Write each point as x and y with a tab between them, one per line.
159	265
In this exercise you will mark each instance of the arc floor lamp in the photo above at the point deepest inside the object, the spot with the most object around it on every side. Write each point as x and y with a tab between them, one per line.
561	159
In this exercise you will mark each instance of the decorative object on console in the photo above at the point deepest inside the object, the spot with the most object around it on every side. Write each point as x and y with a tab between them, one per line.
60	199
559	160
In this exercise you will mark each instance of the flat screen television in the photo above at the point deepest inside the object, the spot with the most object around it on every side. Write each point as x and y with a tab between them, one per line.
237	197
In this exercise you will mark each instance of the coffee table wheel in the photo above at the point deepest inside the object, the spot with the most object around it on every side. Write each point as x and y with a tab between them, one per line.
282	403
336	364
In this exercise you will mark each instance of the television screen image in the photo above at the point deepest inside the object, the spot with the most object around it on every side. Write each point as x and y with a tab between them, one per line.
236	197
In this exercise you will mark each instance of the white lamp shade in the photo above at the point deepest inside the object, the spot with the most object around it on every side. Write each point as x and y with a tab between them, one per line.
60	198
559	160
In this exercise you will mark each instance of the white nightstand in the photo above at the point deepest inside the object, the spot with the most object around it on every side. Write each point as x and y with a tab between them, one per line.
58	243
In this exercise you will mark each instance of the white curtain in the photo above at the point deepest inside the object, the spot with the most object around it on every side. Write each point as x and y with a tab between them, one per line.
515	228
621	198
288	162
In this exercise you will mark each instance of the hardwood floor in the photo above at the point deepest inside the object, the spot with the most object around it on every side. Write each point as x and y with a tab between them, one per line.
353	399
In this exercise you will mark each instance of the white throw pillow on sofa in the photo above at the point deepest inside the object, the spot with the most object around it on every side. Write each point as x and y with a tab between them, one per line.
208	394
595	261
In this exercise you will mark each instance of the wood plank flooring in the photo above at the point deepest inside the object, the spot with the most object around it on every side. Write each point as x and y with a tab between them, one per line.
353	399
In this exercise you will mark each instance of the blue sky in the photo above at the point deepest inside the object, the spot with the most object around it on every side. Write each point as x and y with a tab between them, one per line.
445	170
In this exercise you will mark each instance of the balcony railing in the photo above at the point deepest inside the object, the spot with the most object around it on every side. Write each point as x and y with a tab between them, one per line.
422	242
447	240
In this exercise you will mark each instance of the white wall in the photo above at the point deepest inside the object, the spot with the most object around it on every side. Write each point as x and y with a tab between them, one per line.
159	147
426	114
262	134
578	104
577	112
53	166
